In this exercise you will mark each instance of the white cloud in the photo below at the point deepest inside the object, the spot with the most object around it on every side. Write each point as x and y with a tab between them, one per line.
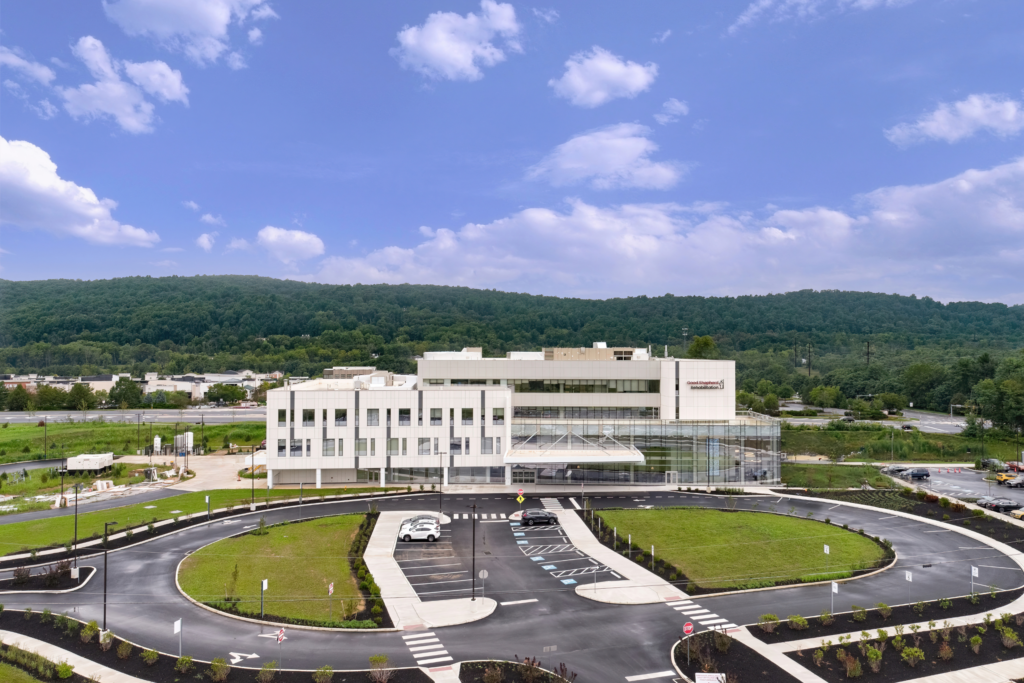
781	10
662	37
596	77
612	157
158	79
198	28
954	122
452	46
671	111
236	61
548	16
34	70
15	89
111	96
44	109
35	197
900	238
237	243
210	219
255	36
206	240
189	204
289	246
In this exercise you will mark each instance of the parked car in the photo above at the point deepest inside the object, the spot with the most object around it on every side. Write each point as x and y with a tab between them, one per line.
994	464
1017	514
907	428
984	501
421	532
1016	483
1005	505
894	470
1004	477
916	473
1015	466
537	516
420	519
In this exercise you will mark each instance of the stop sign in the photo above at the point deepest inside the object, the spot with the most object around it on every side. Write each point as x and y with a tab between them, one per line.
688	628
520	492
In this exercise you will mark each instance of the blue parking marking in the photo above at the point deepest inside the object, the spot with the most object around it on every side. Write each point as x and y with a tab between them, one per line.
537	559
568	581
514	523
519	533
549	566
522	542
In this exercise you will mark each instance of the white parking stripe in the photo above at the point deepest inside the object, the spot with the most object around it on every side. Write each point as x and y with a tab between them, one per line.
434	661
426	647
518	602
418	635
647	677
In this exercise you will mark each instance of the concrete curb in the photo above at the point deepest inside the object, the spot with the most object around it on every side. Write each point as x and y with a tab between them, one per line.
46	592
83	666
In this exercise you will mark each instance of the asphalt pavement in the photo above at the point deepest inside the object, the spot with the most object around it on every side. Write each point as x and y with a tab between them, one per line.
538	613
133	416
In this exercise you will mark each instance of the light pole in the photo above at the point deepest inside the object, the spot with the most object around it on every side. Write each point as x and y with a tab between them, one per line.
473	506
106	525
440	481
252	473
76	522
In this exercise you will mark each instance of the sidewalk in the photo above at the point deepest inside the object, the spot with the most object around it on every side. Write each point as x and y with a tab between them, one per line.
404	606
83	666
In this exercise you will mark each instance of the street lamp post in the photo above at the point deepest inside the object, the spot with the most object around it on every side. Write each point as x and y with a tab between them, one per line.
473	506
76	522
440	481
106	525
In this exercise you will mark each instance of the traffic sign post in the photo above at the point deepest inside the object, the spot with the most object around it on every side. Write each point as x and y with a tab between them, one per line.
974	573
688	629
207	508
483	586
263	588
177	629
330	602
835	589
280	639
826	559
910	579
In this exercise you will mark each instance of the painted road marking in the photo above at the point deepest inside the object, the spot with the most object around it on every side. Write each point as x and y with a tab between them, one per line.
427	647
434	661
571	500
616	575
568	582
518	602
418	635
522	542
712	621
519	533
537	558
549	567
431	566
648	677
448	571
503	515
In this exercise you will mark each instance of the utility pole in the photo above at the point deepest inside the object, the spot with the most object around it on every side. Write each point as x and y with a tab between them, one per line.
473	598
809	348
106	525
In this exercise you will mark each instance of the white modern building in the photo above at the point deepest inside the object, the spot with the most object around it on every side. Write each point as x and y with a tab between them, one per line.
559	416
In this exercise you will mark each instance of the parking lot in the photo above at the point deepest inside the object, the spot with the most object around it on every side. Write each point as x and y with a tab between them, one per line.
946	481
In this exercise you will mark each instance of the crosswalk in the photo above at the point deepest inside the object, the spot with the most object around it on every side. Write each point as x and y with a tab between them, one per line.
479	515
551	504
704	617
426	648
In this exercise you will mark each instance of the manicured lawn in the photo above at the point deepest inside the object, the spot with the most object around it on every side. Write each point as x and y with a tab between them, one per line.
744	549
915	446
43	532
25	441
9	674
298	560
833	476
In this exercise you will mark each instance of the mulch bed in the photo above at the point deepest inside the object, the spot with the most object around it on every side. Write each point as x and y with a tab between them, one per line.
675	575
740	661
163	671
894	669
37	581
844	623
473	672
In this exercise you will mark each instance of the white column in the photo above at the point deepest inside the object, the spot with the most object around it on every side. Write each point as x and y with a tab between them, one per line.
270	479
318	477
508	475
445	470
382	476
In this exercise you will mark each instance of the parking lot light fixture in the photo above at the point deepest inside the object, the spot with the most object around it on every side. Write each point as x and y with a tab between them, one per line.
473	598
106	525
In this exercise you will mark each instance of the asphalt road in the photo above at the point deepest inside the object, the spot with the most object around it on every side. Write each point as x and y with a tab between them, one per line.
967	483
83	506
210	415
932	423
600	642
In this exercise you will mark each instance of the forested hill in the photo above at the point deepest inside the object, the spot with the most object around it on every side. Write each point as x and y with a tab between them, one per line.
221	312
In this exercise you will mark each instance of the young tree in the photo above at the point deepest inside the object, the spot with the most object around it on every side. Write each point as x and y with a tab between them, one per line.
81	398
3	396
126	393
19	399
229	393
771	404
702	347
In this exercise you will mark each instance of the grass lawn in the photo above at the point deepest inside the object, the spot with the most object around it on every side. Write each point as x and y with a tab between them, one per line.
916	446
25	441
9	674
298	560
744	549
40	533
833	476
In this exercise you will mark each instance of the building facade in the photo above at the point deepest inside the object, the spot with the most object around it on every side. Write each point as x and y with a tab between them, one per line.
560	416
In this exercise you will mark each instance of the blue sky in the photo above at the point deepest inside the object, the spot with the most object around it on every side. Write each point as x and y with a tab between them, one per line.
594	149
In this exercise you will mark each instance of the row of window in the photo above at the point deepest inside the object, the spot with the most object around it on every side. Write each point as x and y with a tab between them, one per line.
296	448
587	413
587	386
373	417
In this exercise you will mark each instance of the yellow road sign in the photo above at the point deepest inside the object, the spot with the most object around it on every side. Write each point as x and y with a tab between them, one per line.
520	499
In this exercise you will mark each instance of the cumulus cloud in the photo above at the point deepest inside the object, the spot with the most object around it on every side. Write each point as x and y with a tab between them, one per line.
455	47
781	10
198	28
236	61
900	238
189	204
36	197
10	59
110	96
612	157
954	122
671	111
289	246
237	243
255	36
596	77
44	109
206	240
210	219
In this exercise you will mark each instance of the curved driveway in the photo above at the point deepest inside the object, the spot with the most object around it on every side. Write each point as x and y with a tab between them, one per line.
598	641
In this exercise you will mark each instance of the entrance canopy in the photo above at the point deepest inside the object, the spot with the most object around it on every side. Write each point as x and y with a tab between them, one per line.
572	448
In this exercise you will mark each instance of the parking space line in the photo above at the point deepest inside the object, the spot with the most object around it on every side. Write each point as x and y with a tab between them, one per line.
518	602
431	583
464	571
647	677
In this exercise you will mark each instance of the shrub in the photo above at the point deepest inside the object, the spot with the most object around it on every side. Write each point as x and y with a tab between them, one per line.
976	644
46	617
920	495
931	498
90	630
267	672
945	603
150	657
183	665
826	618
21	575
859	613
853	668
325	674
1009	637
899	644
124	650
219	670
912	655
944	502
919	607
150	527
974	598
874	656
493	674
768	622
945	652
819	656
884	610
28	613
380	669
106	641
64	670
723	641
945	517
797	622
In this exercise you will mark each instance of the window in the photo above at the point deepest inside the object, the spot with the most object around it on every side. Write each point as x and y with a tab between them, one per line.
404	417
282	446
455	446
373	447
486	445
309	448
588	386
308	417
372	417
282	417
498	416
360	447
405	450
324	423
435	382
388	416
466	451
392	447
435	417
436	451
419	418
497	445
523	476
467	416
451	416
328	448
424	447
341	447
341	417
296	448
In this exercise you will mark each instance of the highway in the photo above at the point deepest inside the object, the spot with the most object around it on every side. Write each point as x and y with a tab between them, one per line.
209	415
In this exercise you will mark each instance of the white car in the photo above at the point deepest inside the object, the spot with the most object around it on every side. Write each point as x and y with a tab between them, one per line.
421	519
420	532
